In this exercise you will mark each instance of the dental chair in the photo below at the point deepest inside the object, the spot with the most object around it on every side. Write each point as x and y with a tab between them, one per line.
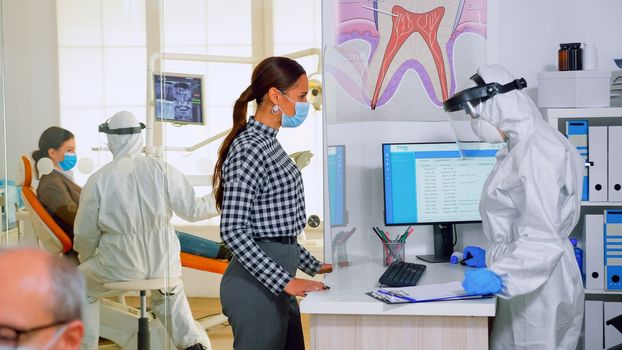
119	322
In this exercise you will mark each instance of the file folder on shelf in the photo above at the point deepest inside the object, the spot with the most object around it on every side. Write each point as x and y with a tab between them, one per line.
577	133
594	323
424	293
615	164
594	249
613	249
597	140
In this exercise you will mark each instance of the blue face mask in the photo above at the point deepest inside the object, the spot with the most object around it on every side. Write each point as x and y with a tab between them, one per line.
69	161
302	110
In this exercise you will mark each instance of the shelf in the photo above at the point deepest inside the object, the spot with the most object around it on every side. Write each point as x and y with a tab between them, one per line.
601	204
598	291
583	113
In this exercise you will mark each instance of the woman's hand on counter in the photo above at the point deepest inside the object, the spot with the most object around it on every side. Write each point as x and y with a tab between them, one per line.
300	287
326	268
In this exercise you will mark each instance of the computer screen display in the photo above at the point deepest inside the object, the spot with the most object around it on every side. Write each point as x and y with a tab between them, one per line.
336	185
178	98
426	183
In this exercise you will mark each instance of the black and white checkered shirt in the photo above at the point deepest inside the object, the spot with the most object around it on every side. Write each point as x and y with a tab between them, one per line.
263	197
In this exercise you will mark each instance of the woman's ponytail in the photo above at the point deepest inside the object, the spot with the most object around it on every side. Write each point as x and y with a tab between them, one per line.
36	155
239	123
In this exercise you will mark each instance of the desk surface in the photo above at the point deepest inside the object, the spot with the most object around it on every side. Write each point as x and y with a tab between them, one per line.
349	284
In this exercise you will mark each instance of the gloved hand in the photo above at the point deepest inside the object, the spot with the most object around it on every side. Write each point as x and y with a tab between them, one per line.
481	281
474	256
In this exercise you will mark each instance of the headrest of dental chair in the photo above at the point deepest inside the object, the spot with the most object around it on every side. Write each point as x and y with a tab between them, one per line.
25	172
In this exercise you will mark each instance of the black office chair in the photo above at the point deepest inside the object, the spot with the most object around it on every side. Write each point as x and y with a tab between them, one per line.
617	323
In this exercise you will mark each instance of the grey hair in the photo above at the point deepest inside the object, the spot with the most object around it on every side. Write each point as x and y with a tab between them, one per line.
68	289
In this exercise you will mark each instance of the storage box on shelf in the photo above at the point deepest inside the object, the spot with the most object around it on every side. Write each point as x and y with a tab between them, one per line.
573	89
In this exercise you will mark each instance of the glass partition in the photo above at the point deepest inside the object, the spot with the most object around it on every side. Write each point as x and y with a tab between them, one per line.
177	67
386	77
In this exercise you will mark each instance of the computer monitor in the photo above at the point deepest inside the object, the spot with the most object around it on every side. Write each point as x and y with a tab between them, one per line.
179	98
337	185
431	183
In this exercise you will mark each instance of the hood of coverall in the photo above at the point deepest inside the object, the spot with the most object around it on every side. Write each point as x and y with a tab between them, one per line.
124	145
513	112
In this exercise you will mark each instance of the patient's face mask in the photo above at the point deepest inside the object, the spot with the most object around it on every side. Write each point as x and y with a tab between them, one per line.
69	161
300	114
65	155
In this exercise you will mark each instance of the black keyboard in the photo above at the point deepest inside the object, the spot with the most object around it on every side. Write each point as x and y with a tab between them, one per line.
402	274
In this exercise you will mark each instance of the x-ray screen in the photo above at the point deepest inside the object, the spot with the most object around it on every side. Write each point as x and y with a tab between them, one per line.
178	98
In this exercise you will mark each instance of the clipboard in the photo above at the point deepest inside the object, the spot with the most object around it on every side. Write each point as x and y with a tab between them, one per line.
426	293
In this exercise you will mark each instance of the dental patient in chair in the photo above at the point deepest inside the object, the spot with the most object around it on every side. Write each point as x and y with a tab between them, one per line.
123	231
60	195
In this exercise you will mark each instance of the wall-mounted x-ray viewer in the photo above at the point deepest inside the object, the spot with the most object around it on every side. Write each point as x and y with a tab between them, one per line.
179	98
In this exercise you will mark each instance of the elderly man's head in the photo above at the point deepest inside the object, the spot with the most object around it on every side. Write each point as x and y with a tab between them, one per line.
41	301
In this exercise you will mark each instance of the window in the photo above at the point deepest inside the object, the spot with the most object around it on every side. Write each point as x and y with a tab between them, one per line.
103	69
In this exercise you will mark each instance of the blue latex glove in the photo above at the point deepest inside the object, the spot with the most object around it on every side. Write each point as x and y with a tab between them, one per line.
474	256
481	281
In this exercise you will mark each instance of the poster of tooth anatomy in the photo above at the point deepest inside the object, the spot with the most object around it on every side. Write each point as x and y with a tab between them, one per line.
400	59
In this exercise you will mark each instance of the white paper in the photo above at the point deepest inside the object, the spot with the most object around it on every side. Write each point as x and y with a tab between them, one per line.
431	291
428	292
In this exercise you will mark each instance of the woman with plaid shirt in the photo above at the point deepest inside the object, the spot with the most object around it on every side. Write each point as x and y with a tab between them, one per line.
260	194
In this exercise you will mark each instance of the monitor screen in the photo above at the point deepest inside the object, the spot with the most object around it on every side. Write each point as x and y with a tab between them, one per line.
427	183
337	184
178	98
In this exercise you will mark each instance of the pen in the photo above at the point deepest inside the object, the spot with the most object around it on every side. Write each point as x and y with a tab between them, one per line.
406	234
377	233
379	236
384	238
386	235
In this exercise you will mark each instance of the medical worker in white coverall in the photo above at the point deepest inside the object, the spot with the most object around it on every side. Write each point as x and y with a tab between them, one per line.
123	230
529	205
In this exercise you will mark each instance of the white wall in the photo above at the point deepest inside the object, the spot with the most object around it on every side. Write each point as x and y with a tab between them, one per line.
31	75
530	31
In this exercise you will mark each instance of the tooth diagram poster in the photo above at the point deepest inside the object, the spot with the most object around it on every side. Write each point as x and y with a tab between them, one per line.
400	59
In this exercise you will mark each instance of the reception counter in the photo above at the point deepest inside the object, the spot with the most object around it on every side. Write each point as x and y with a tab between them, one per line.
345	318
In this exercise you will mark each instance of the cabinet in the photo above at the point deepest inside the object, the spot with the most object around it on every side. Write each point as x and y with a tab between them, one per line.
598	300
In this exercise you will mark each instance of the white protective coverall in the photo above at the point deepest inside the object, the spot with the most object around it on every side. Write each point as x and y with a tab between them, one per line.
530	203
123	231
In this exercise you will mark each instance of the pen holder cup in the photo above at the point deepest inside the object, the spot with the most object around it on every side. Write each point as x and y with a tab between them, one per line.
392	252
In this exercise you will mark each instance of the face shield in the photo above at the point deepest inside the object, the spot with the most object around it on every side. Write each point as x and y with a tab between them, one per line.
473	132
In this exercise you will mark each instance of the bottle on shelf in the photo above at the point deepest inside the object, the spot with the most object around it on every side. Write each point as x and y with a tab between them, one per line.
562	57
574	56
590	56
